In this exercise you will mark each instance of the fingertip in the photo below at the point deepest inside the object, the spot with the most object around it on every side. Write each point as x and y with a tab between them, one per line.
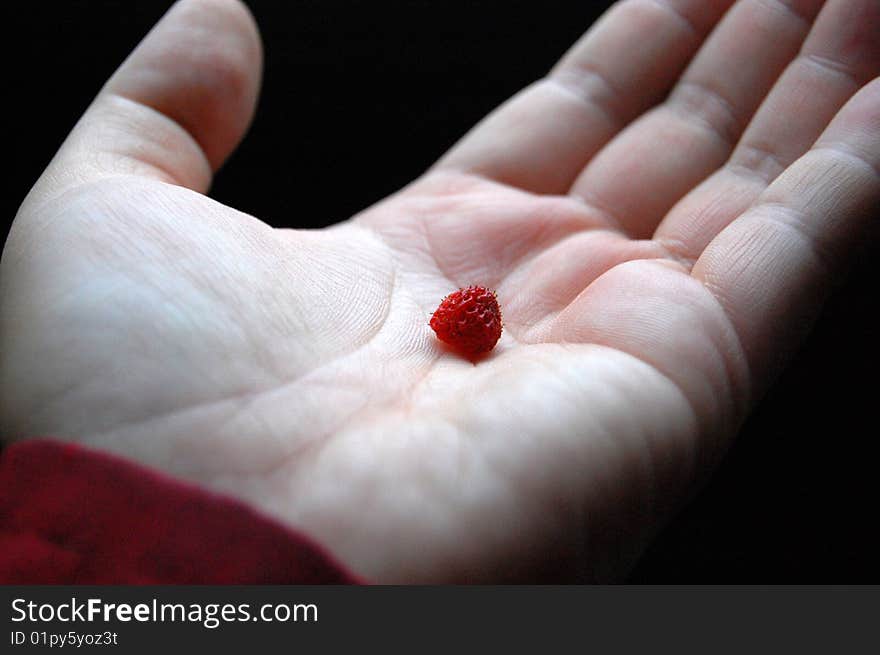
201	66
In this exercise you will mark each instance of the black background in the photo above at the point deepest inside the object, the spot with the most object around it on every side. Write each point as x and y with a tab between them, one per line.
358	99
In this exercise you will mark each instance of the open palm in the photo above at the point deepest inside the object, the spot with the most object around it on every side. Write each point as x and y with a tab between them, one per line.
659	222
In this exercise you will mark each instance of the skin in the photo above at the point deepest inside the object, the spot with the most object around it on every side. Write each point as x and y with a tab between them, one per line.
660	224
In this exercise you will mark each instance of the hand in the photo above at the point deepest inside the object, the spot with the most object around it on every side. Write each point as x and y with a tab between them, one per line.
660	222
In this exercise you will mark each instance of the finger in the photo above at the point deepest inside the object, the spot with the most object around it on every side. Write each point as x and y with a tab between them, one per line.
541	138
654	162
841	54
770	268
176	108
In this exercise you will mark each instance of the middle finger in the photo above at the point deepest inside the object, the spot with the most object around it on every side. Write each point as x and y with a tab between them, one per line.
640	175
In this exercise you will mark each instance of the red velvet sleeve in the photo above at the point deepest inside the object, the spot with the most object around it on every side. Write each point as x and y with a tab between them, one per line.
70	515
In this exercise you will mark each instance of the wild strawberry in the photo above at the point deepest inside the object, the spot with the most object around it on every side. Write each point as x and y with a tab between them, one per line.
469	320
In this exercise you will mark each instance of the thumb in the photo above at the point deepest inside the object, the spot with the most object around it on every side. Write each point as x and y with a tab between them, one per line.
175	109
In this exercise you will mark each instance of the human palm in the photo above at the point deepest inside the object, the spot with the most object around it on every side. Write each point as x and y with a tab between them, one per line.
649	276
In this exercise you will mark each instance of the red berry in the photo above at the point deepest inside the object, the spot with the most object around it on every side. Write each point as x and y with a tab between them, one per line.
469	320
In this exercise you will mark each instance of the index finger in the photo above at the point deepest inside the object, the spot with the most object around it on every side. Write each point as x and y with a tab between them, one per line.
541	138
